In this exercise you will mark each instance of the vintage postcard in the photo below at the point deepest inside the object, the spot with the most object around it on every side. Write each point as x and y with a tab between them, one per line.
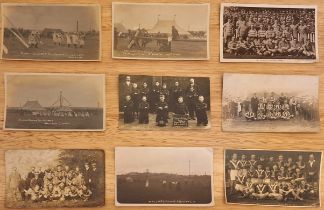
54	101
164	176
55	178
160	31
268	33
270	103
273	178
164	102
51	32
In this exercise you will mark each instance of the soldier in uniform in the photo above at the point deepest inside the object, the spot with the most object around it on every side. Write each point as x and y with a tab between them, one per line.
162	112
192	99
180	107
155	94
201	111
145	91
128	109
176	92
136	98
143	108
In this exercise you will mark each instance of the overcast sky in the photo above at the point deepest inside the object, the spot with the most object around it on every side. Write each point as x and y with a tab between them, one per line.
55	17
244	85
24	160
79	90
164	160
188	16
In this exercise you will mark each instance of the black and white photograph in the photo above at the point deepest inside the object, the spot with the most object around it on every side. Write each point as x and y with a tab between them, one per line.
51	32
54	178
54	102
273	178
160	31
164	102
268	33
164	176
270	103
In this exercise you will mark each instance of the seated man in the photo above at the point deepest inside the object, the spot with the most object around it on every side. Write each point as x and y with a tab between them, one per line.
274	190
308	49
260	190
232	46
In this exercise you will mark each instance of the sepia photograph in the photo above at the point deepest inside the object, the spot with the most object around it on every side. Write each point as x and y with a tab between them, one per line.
164	102
270	103
54	102
164	176
268	33
54	178
51	32
160	31
273	178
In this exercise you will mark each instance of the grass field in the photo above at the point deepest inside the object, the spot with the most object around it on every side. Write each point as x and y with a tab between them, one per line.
48	51
15	120
180	49
235	198
270	126
152	126
192	189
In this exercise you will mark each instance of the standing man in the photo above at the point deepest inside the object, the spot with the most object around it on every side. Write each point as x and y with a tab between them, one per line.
255	104
312	169
192	96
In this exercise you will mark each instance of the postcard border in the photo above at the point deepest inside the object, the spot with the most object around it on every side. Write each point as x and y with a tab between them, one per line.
99	59
284	6
259	131
212	203
165	59
102	77
240	204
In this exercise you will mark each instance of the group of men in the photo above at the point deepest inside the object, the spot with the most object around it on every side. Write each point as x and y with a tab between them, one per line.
73	39
56	184
139	102
268	177
266	33
273	107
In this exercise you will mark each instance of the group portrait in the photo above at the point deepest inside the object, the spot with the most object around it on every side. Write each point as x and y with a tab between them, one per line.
270	177
54	178
270	103
164	102
280	33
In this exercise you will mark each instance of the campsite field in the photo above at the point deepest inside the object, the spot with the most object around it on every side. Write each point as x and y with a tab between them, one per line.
16	120
48	51
189	49
189	190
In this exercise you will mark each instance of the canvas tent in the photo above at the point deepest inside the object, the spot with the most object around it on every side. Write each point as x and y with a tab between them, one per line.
120	28
32	106
165	27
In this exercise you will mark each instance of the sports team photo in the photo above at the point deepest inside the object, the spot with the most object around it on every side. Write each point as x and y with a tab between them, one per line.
52	32
270	103
160	31
274	178
268	33
54	101
164	176
164	102
54	178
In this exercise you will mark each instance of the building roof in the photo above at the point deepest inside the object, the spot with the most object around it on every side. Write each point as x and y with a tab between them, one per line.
63	109
33	106
165	27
